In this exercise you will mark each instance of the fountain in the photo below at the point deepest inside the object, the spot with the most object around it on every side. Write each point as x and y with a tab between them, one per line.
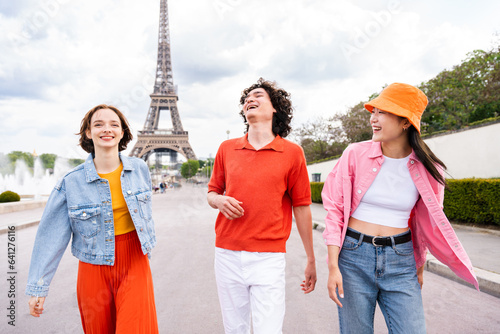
36	185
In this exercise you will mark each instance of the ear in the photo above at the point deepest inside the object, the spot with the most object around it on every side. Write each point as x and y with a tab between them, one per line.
87	133
406	124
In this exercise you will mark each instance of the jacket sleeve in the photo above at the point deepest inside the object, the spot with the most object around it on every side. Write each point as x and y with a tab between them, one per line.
336	193
52	238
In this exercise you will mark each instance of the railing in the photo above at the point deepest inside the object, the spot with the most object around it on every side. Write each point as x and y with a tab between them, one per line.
162	132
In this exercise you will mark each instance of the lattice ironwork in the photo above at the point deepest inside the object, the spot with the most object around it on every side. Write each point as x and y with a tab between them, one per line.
164	99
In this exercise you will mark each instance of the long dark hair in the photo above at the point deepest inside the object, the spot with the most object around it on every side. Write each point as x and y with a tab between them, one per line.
425	155
280	100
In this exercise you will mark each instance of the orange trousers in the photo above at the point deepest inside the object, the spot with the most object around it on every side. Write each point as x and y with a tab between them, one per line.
120	298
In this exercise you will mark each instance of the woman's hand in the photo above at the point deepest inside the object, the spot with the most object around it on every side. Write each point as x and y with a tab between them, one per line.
36	305
420	276
335	285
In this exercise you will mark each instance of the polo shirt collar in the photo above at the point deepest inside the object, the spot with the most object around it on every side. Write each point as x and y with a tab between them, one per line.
278	144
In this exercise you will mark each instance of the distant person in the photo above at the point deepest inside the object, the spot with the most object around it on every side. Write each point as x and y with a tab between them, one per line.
384	200
104	205
257	180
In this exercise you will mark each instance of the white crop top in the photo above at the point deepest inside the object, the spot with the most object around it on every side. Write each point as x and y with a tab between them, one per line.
391	196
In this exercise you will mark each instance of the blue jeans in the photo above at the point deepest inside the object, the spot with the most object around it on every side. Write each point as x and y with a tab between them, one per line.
383	274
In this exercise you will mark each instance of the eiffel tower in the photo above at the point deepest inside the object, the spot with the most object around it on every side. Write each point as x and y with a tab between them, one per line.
164	98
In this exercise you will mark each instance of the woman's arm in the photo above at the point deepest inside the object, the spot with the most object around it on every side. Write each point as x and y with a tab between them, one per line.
53	236
335	284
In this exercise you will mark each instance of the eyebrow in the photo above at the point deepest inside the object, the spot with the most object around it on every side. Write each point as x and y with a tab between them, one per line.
100	120
254	93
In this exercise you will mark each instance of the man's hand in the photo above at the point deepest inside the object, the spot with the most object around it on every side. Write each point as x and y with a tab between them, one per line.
334	284
310	277
36	305
230	207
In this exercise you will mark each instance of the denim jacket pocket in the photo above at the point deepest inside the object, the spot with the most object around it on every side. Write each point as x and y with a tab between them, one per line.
145	207
86	220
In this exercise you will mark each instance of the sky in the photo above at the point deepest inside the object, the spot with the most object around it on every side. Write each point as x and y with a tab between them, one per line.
60	58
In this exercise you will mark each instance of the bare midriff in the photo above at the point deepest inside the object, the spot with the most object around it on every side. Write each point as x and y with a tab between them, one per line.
374	229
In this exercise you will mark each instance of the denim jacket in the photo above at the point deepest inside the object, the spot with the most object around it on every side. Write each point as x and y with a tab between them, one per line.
80	206
350	179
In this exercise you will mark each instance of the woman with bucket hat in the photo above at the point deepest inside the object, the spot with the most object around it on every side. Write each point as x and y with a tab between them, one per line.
384	200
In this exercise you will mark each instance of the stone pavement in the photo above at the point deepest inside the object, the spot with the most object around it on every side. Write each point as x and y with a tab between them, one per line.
482	246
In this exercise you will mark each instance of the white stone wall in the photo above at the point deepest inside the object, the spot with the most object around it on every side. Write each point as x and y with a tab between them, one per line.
467	153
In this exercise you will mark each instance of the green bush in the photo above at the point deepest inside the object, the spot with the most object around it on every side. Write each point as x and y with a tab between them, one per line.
473	201
316	188
9	196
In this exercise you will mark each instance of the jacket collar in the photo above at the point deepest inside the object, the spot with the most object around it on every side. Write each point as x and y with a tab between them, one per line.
91	173
278	144
376	151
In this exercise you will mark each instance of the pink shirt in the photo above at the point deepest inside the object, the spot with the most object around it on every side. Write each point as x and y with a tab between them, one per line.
350	179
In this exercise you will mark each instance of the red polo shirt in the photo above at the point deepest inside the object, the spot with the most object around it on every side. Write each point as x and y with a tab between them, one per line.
268	181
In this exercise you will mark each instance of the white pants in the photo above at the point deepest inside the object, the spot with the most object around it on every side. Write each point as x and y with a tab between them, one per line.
251	286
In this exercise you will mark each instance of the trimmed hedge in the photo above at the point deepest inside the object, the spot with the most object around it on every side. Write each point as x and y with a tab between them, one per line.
9	196
474	201
316	188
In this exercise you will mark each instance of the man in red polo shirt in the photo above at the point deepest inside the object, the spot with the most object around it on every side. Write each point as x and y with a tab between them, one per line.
256	181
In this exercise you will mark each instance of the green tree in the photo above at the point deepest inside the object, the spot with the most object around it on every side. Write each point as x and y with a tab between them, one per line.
189	168
355	123
27	157
75	162
320	139
466	93
48	160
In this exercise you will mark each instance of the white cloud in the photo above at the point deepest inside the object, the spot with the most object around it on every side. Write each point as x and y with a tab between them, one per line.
61	57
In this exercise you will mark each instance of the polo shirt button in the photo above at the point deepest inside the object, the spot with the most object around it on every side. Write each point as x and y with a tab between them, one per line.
359	191
135	210
109	213
412	161
374	169
416	175
429	199
129	192
141	229
84	214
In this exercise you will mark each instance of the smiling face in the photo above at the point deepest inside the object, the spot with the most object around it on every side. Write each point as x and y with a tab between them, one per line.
105	130
258	106
388	127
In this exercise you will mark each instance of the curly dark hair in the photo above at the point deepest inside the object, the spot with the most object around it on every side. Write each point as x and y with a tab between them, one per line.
87	144
280	100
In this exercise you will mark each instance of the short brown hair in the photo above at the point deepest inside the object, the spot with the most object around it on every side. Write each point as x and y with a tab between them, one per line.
87	144
280	100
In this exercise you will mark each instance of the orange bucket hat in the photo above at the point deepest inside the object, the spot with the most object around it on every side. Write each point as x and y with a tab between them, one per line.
402	100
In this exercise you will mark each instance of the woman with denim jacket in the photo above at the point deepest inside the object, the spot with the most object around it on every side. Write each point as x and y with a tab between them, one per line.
384	201
105	206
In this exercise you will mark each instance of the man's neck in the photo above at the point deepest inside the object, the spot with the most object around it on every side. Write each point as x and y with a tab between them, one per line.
260	136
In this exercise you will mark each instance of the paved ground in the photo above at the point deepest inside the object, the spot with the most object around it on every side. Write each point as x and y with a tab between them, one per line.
185	290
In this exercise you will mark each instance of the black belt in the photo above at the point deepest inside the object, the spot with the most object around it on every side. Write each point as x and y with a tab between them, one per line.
380	241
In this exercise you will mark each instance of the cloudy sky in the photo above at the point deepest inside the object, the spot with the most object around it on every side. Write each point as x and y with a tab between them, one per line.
59	58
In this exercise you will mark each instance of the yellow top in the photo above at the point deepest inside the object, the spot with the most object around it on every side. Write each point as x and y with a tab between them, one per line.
123	220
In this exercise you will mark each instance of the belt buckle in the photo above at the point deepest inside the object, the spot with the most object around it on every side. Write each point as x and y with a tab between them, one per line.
373	242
